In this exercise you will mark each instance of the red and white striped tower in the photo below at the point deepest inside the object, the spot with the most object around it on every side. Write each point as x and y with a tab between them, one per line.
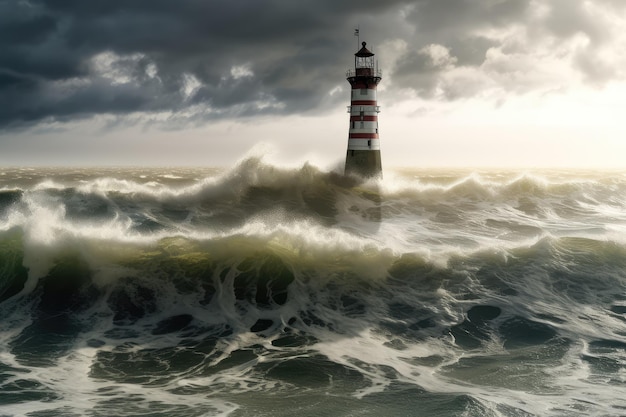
363	156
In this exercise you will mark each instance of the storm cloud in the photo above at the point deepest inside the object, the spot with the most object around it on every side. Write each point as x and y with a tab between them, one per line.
65	60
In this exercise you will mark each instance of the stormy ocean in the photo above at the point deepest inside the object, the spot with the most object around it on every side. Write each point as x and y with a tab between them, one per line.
266	290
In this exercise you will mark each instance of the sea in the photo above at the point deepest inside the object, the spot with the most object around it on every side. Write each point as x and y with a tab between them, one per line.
272	290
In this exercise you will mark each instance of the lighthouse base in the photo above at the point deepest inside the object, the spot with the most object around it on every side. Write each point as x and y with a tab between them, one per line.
364	163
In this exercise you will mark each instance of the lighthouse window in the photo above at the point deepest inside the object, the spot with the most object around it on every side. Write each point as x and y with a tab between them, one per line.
361	124
362	114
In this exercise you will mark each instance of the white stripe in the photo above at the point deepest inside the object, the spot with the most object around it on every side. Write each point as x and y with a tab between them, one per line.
367	127
362	144
363	94
367	110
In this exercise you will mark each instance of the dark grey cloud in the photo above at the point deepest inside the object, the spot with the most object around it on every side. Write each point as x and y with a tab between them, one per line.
65	58
69	59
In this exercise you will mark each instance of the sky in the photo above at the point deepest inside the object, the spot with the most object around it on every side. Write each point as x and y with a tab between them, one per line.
466	83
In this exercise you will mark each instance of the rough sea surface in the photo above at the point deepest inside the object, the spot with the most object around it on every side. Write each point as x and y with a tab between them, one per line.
264	290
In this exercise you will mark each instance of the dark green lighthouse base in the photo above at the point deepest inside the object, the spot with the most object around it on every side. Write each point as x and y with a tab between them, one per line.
364	163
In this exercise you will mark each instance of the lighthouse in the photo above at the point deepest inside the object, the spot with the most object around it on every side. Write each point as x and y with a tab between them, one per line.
363	156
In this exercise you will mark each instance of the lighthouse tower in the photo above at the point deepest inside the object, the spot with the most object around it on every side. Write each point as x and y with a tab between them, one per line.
363	156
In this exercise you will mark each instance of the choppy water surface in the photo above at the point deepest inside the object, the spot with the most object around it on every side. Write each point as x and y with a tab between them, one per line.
266	290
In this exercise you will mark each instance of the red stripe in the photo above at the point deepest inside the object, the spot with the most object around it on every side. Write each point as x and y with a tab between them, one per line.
364	119
358	86
363	136
363	102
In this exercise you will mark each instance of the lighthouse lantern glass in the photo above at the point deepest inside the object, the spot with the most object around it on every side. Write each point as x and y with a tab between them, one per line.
364	62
